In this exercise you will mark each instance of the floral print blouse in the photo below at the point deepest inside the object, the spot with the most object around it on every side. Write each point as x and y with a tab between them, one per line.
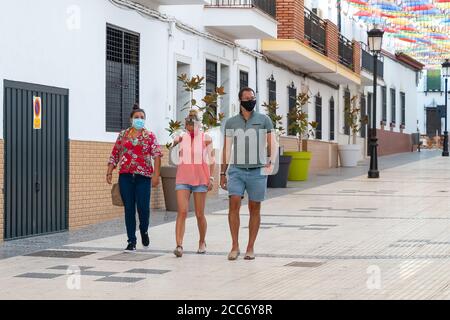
135	155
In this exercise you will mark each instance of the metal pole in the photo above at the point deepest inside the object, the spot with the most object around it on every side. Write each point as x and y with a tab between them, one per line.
373	171
445	149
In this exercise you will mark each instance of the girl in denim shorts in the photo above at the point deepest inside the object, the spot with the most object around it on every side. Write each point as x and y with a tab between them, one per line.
194	176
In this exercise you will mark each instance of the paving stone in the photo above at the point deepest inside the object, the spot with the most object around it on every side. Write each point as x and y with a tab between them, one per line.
60	254
35	275
147	271
120	279
130	257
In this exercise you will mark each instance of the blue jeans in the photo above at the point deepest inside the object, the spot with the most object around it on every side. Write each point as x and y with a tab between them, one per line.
135	191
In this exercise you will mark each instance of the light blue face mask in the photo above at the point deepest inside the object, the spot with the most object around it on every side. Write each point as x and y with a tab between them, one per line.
138	124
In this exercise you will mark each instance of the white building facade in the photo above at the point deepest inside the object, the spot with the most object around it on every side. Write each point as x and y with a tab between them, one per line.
102	56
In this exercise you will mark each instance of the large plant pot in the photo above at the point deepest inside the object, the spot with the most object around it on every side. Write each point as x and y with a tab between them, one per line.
349	154
279	180
168	177
299	168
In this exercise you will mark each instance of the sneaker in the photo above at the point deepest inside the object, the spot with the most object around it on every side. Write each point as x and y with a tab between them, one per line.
130	248
145	239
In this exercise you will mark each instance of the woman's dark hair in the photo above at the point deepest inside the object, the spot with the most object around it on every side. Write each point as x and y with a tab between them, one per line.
136	109
246	89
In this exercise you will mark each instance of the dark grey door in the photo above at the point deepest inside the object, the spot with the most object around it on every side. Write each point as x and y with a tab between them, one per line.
433	122
36	160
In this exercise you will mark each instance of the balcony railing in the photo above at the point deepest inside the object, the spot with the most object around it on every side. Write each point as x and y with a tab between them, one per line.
267	6
315	33
345	52
367	61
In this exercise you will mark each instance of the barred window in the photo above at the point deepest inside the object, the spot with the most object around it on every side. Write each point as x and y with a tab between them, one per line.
122	77
319	117
393	106
243	79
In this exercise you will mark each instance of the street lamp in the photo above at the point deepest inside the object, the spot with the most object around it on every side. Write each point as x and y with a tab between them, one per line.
375	42
446	75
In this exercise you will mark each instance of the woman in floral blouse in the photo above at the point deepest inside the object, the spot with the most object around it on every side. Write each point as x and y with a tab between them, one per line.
133	152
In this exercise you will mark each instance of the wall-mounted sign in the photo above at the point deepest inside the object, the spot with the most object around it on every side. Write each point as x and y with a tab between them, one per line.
37	112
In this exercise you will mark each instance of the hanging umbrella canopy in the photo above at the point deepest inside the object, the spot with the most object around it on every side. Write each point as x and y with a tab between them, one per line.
419	27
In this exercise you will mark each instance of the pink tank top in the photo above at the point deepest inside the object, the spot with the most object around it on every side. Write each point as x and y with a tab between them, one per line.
193	168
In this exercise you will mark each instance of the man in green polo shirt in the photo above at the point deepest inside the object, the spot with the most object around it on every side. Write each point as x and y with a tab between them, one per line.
249	135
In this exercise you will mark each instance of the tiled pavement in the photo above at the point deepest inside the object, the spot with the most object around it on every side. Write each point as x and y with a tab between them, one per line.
338	236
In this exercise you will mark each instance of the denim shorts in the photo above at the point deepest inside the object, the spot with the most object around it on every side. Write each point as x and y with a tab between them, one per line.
250	180
195	189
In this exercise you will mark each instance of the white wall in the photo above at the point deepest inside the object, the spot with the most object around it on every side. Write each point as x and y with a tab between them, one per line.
284	79
62	43
402	79
66	48
428	99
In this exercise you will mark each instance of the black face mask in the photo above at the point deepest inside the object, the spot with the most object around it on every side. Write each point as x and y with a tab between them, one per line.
249	105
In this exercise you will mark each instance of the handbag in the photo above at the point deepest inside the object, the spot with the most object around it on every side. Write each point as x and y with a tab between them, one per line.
116	196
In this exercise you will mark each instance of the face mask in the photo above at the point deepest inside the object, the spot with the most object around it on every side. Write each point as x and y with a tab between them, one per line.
138	124
249	105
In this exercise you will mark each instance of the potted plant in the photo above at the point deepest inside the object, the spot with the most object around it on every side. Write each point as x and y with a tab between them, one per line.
350	154
280	178
302	128
209	120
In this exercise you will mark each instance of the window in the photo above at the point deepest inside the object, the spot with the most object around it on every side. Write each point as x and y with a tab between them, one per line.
363	114
384	104
183	96
346	111
122	77
433	80
393	106
272	88
369	125
292	96
211	78
403	106
224	101
319	116
331	118
243	79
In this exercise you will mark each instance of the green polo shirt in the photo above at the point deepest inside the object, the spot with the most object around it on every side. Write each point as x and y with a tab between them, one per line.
249	139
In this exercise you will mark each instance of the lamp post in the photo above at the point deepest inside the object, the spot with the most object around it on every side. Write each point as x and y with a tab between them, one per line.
375	41
446	74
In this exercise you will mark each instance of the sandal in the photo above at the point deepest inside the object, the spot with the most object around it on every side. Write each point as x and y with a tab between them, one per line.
178	252
249	256
233	255
202	249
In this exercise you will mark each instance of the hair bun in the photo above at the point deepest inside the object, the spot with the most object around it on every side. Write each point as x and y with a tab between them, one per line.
136	106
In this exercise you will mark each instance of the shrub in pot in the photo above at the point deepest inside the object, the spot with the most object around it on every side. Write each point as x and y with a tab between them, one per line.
350	153
302	129
283	162
209	121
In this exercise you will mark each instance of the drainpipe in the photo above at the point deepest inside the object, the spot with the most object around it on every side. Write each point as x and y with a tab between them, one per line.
339	16
256	86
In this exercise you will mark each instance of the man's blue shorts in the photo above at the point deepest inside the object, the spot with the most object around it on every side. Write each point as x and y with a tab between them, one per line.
251	180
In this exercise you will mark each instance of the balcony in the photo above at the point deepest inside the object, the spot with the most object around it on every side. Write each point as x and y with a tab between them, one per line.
367	66
313	46
345	52
153	3
315	31
241	19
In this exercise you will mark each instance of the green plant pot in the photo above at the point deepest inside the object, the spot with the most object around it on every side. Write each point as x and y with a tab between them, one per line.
299	166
